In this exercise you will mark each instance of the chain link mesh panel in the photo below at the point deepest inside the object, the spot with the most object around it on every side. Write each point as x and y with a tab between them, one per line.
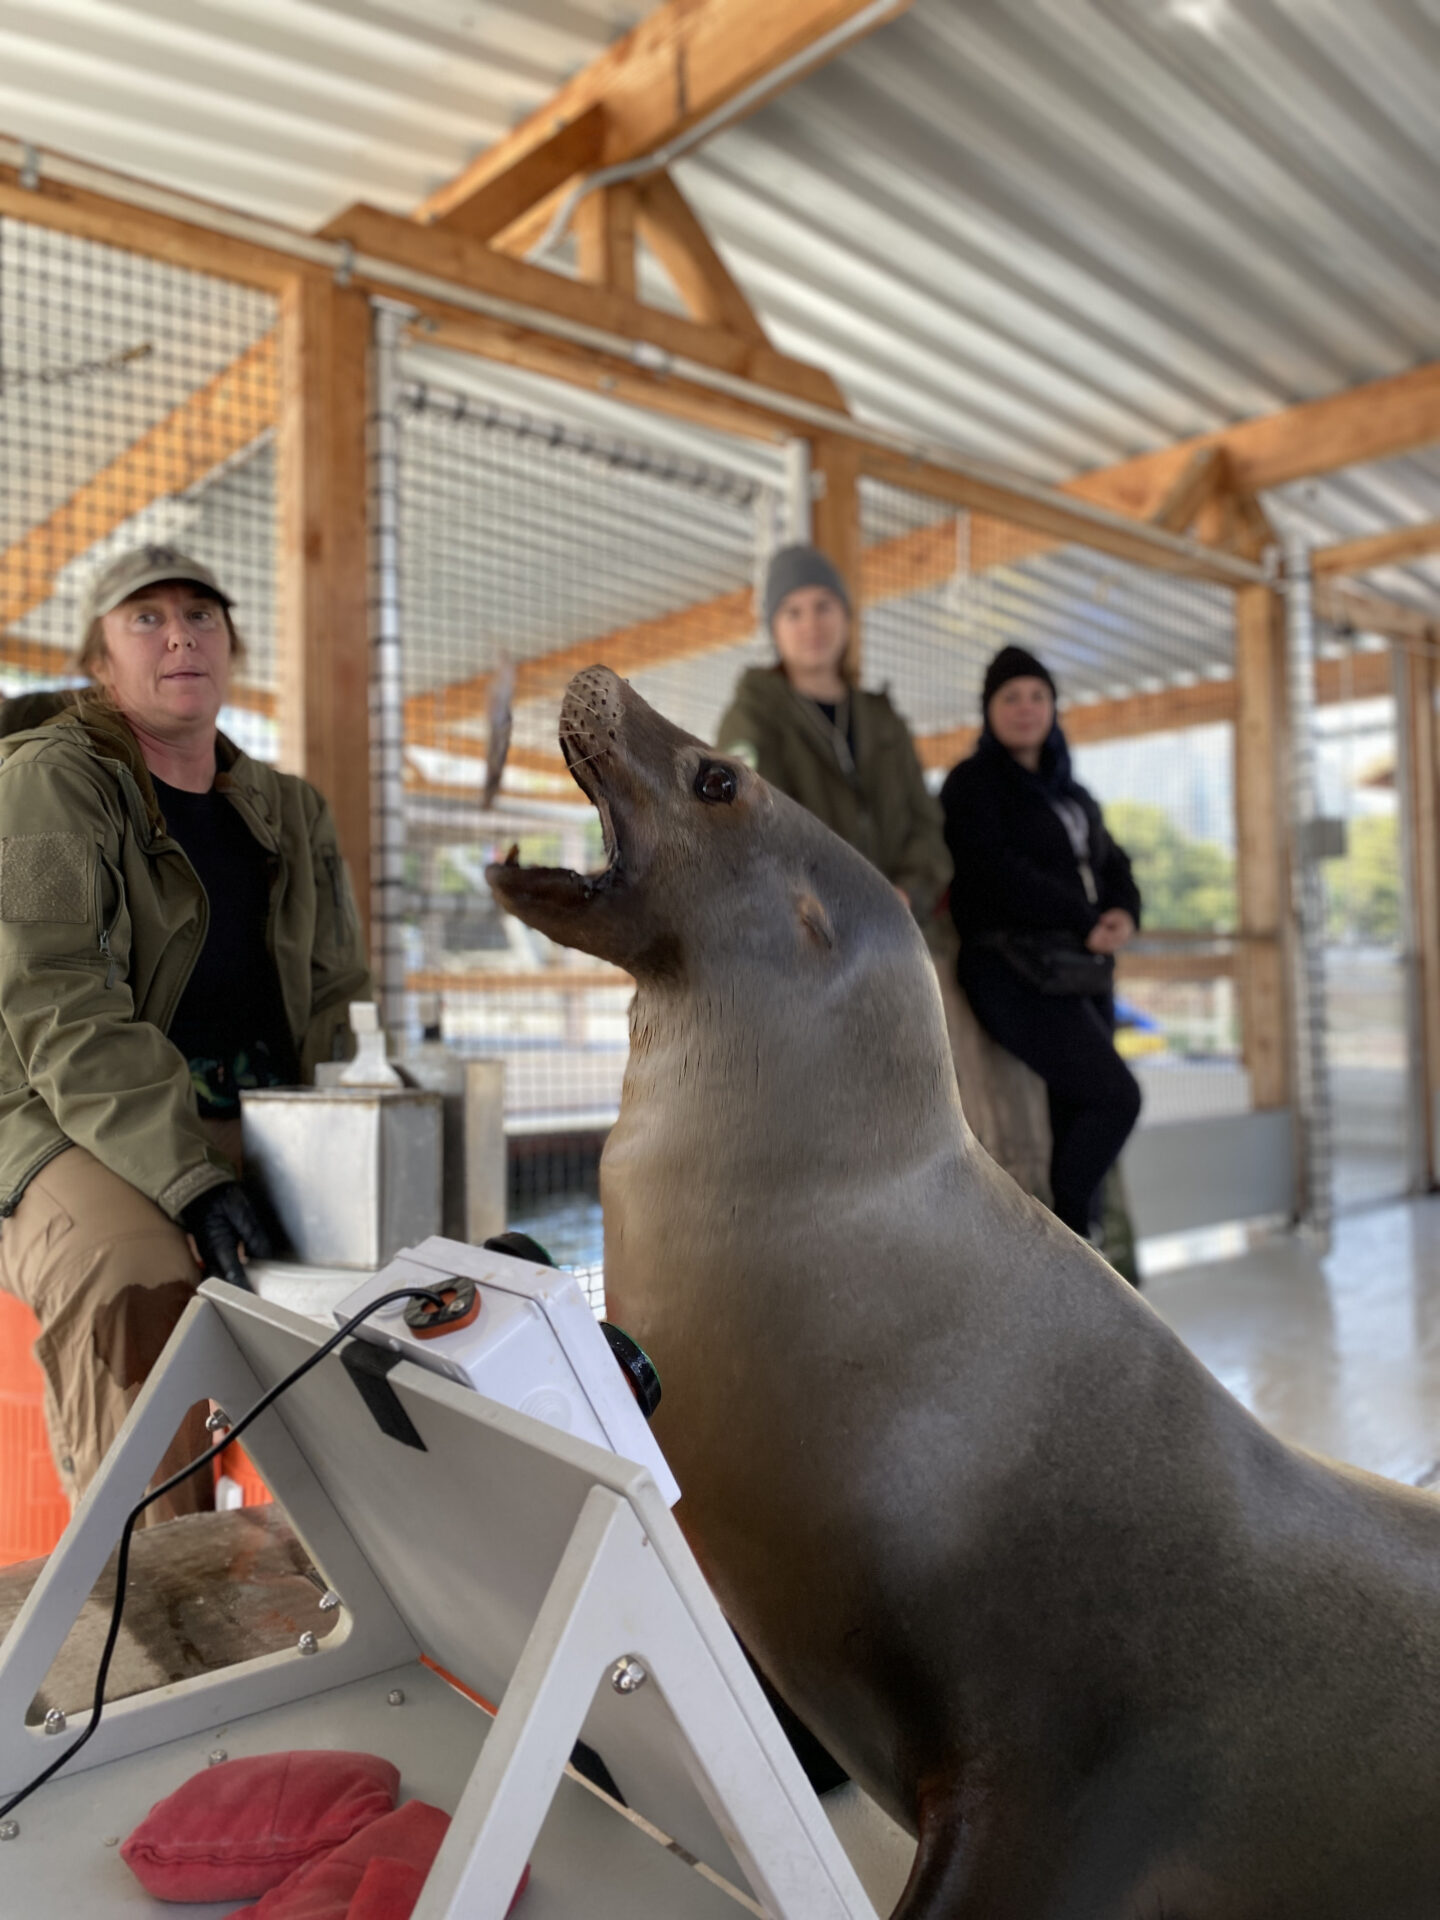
532	547
1365	963
137	406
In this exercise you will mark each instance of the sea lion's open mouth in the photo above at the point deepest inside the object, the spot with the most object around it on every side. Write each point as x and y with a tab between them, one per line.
582	772
525	889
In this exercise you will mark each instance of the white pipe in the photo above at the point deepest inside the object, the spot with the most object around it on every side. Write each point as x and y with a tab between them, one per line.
798	496
1312	1079
387	677
343	259
1417	1162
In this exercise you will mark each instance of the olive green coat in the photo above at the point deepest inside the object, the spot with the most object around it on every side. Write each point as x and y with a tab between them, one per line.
102	919
877	801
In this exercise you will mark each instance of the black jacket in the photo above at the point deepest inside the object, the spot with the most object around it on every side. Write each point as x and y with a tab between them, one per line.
1015	868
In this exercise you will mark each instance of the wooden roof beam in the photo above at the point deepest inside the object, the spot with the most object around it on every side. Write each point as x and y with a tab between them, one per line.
453	256
685	61
1358	676
1353	610
1393	548
1204	476
506	182
890	569
605	238
669	228
215	423
1377	421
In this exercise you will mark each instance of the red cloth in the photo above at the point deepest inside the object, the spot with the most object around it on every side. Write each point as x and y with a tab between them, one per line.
240	1828
388	1890
376	1876
402	1846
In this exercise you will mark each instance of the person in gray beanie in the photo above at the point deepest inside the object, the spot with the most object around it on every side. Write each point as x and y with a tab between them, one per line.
807	728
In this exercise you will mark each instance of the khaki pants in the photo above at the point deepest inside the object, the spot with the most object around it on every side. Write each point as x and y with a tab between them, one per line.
107	1275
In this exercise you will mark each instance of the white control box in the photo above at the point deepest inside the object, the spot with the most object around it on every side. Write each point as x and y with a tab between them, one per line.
535	1346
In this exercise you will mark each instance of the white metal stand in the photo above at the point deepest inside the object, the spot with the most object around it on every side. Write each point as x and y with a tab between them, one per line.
535	1569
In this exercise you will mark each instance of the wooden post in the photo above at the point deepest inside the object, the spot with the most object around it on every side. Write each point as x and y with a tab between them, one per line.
1261	842
323	650
669	228
1416	685
605	237
835	523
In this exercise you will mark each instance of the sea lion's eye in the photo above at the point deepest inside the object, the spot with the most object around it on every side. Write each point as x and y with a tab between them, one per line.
716	784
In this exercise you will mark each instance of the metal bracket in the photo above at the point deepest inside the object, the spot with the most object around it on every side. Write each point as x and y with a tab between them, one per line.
30	169
344	272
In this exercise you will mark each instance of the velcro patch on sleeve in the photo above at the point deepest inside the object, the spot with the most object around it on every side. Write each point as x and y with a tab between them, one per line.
45	876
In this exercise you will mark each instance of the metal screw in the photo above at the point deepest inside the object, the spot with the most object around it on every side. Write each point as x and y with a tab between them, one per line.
9	1829
396	1696
55	1721
111	1840
307	1642
215	1756
627	1675
218	1421
329	1600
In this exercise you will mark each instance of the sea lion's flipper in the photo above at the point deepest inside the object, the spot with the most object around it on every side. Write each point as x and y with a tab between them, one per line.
976	1858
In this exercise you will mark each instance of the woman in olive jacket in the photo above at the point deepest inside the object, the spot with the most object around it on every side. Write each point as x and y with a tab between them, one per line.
1033	859
842	753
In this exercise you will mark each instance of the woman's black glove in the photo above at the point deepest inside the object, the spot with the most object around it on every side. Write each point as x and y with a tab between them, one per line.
218	1222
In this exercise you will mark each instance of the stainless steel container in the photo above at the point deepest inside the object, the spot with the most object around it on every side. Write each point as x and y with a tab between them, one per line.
354	1173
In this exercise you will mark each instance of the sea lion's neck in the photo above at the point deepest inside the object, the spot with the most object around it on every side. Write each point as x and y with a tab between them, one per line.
747	1072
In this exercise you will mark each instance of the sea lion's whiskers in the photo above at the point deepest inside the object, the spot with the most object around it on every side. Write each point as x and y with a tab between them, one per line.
572	764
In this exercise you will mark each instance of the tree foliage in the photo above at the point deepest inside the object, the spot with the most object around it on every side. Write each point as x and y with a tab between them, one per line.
1362	890
1185	884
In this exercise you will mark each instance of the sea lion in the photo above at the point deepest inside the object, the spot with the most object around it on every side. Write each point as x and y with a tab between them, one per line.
1072	1616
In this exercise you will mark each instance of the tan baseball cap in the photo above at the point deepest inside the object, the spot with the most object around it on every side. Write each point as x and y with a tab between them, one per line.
143	567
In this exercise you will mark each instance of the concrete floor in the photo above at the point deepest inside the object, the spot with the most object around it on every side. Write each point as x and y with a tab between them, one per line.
1340	1353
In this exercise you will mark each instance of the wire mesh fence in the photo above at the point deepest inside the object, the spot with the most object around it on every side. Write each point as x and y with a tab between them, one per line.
531	546
943	591
1366	962
138	403
137	406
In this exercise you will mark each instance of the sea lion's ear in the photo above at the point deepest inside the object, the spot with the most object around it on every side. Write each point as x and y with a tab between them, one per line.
814	919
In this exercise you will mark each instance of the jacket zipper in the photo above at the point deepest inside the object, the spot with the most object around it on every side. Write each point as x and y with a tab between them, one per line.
112	966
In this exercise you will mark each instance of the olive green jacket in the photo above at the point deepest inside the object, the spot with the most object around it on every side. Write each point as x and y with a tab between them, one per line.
102	919
877	801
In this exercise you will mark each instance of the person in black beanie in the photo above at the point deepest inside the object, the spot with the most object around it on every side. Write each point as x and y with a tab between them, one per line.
1043	899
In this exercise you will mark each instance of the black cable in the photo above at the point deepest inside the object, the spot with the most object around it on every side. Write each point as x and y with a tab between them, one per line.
122	1563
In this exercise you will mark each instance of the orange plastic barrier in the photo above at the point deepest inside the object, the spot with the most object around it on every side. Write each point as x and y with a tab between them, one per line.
33	1509
237	1465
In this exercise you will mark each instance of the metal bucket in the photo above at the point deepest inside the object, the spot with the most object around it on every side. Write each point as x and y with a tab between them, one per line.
353	1173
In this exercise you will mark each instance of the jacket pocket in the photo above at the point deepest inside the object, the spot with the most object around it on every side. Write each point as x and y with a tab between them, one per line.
109	904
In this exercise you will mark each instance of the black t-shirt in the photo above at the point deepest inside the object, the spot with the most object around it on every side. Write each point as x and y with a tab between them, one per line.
230	1024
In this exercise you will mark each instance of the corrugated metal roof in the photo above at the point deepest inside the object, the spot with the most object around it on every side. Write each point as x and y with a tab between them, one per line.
1058	232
